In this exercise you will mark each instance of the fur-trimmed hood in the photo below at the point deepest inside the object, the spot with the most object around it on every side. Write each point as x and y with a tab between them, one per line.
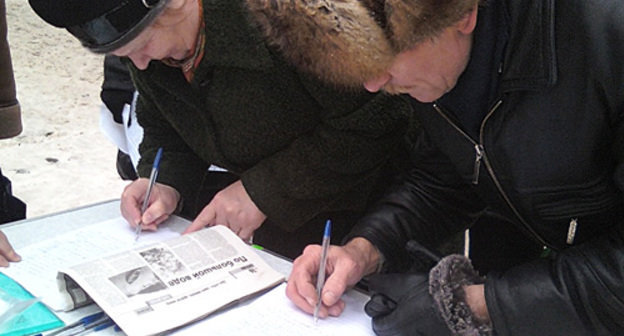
336	40
347	42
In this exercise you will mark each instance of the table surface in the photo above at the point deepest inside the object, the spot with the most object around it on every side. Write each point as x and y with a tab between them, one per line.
28	231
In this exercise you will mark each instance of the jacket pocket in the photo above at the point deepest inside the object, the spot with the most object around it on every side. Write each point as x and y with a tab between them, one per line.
571	214
567	201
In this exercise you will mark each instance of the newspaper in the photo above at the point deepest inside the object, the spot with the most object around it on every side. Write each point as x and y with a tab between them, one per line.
162	286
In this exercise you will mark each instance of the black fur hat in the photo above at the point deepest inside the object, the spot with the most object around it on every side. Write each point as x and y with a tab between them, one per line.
101	25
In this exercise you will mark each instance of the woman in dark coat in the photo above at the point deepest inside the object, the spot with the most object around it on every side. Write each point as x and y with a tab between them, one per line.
212	93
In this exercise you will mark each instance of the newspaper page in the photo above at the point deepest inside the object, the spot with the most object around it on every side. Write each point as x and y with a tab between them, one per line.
41	261
162	286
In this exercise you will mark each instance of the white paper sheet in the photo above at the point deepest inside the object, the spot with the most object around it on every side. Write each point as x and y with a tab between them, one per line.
274	314
126	138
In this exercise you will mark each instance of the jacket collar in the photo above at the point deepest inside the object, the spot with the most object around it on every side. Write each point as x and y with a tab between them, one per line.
530	59
230	39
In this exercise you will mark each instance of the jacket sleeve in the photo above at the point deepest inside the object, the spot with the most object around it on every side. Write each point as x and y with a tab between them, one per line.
578	292
180	167
334	166
430	204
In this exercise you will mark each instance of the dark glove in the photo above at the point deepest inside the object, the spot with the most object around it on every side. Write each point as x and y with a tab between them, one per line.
425	302
401	305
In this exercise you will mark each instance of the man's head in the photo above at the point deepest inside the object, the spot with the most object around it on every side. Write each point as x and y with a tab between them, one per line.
418	47
101	25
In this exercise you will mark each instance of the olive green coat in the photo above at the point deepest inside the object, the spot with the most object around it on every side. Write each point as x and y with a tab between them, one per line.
300	148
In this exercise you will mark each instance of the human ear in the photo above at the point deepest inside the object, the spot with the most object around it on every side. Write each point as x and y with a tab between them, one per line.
468	23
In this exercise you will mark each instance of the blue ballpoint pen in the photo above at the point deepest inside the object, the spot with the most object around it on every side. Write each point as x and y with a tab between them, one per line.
97	325
320	279
104	325
83	321
152	180
100	325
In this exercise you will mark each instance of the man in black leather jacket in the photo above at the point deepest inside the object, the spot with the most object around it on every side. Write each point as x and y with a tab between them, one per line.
522	107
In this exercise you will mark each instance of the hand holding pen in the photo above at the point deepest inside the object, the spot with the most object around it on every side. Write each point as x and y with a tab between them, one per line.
148	211
345	266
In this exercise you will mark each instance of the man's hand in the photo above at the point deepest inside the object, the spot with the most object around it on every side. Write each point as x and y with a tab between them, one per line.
162	203
400	304
233	208
346	265
446	300
7	254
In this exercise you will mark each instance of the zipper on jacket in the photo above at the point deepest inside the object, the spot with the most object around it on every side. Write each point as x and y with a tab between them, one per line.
477	164
481	156
571	231
479	150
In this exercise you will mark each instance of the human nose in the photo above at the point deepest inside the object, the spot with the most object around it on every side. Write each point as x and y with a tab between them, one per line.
377	83
141	61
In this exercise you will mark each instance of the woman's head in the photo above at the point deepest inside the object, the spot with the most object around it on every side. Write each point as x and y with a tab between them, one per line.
101	26
142	30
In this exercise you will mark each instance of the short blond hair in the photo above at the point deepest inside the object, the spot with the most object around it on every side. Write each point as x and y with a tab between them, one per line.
410	22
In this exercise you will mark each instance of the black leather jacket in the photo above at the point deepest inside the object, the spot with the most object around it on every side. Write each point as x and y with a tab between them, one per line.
549	158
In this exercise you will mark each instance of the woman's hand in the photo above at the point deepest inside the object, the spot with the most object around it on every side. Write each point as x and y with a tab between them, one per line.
162	203
233	208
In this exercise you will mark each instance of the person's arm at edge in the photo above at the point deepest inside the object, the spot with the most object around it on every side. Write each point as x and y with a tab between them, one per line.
7	253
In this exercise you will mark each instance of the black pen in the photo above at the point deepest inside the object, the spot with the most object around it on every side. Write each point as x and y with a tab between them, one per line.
152	180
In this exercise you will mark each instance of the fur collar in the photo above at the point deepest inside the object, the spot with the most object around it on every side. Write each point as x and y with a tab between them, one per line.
336	40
